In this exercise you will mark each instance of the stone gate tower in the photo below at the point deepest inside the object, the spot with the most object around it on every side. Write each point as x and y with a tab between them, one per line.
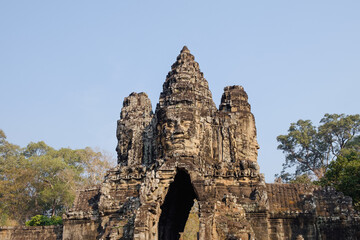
190	171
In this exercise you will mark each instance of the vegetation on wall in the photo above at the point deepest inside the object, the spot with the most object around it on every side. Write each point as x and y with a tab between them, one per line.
41	220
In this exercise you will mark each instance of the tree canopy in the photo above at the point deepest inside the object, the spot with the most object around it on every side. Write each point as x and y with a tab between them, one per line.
39	179
310	150
344	173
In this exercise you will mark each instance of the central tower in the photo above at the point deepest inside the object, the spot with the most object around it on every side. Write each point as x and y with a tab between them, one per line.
190	151
184	112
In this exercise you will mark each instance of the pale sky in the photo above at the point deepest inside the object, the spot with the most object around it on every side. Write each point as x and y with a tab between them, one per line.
66	66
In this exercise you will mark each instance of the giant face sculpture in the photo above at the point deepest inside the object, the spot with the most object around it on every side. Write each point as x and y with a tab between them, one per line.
180	133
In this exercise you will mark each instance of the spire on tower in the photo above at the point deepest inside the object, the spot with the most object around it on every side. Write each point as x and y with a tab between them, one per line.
185	49
185	83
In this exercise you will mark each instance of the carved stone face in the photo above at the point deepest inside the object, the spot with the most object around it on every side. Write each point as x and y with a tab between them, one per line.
181	135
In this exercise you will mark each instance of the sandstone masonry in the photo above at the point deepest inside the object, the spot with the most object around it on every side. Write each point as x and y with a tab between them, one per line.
190	171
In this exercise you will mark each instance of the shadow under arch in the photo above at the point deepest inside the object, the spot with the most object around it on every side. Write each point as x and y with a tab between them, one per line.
176	207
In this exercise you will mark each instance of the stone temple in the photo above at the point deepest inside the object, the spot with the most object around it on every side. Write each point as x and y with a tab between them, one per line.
190	171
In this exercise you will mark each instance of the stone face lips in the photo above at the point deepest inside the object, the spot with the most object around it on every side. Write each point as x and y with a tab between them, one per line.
189	152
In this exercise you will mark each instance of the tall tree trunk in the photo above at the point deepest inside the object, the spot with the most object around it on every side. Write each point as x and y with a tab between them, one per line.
53	208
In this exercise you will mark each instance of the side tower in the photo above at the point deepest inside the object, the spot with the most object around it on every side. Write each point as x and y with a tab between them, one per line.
135	131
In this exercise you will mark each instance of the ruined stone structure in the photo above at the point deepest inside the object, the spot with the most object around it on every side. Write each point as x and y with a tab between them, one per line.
31	233
190	171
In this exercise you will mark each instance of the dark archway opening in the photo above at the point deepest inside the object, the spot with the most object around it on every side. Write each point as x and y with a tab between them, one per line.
176	207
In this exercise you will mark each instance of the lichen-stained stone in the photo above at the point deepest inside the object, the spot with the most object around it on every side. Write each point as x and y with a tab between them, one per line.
191	163
135	131
238	124
185	114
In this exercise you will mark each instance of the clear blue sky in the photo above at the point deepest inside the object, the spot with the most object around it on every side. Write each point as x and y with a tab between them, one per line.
66	66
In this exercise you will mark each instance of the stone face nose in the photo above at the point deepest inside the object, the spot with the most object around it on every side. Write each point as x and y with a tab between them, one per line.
178	129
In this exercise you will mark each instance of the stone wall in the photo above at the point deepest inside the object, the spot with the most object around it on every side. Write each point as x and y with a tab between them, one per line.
31	233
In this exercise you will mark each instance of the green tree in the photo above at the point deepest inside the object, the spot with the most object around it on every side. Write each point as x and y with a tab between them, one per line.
309	149
59	173
41	220
94	163
344	173
302	179
39	179
54	182
15	193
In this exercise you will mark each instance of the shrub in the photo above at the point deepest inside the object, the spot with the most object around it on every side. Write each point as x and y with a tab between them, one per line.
41	220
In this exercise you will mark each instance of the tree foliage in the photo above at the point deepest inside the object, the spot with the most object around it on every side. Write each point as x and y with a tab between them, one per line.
302	179
310	149
39	179
344	173
41	220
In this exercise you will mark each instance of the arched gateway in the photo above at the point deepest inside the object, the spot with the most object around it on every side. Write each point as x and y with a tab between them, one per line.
149	194
176	208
